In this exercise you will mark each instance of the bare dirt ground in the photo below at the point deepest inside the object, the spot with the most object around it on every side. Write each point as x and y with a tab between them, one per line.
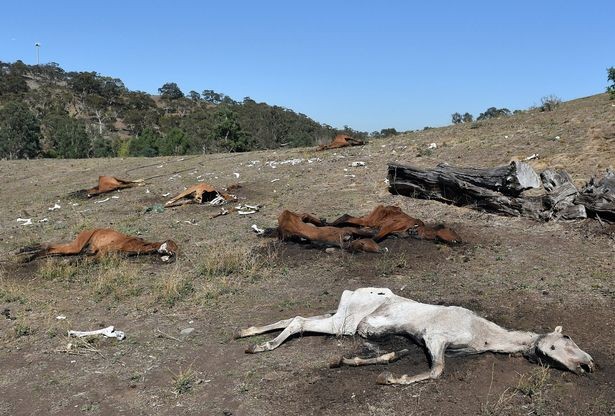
519	273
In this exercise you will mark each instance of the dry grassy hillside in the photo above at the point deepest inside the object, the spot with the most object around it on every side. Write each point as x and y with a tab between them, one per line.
517	272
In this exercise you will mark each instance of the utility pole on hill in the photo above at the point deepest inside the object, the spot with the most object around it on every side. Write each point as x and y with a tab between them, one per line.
38	48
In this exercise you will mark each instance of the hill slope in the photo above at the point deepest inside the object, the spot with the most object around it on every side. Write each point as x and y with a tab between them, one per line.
517	272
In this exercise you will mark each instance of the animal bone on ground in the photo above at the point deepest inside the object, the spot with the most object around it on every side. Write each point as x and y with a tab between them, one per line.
100	242
107	332
200	193
375	312
341	140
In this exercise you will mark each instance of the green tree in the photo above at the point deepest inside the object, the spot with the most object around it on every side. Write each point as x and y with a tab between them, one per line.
170	91
227	132
467	118
212	97
20	132
69	137
611	77
493	112
102	147
12	83
194	96
174	142
456	118
145	144
388	132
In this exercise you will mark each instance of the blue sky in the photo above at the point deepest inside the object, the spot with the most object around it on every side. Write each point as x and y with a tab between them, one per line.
369	65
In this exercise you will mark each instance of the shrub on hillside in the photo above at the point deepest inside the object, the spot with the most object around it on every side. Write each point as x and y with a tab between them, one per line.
493	112
549	103
611	77
20	132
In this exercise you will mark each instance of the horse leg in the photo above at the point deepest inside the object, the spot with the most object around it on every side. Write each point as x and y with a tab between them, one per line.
357	361
256	330
436	347
74	247
323	325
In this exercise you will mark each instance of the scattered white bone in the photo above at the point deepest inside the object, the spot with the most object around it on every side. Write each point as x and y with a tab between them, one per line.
236	174
246	206
147	191
54	207
107	332
247	209
223	211
74	204
167	194
532	157
556	137
274	180
115	197
257	229
355	164
24	221
350	176
60	317
102	200
219	200
44	220
432	146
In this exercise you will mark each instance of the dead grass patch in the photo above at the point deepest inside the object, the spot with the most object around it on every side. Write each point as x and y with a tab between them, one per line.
115	278
226	267
173	288
59	270
9	292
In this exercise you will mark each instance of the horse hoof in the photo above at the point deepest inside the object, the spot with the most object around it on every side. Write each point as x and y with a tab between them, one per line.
335	362
251	349
237	334
384	377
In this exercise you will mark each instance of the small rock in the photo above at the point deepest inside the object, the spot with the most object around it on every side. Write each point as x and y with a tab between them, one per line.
330	250
186	331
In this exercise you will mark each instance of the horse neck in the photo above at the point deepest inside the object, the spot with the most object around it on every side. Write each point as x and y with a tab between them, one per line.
151	247
502	340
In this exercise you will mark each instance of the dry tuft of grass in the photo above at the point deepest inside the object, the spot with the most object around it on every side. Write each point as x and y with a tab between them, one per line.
173	288
391	263
231	259
116	278
227	266
60	270
22	330
9	292
183	381
534	383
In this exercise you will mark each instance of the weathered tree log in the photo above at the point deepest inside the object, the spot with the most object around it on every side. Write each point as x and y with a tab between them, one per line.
511	179
561	194
501	194
598	197
465	186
